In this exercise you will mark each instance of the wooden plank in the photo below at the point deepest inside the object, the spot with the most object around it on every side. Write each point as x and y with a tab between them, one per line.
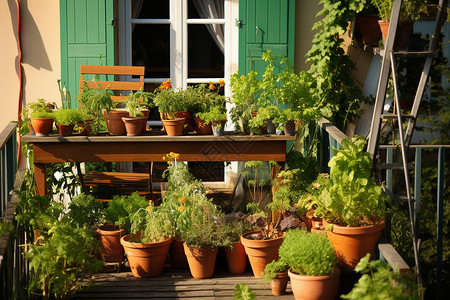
115	85
119	70
393	258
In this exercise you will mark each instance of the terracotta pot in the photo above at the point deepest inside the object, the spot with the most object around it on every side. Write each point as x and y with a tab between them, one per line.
146	259
404	30
279	283
289	128
177	257
65	130
201	261
315	287
202	128
260	252
174	127
110	248
42	126
236	258
146	113
353	243
369	28
218	127
134	125
85	126
181	114
114	121
31	129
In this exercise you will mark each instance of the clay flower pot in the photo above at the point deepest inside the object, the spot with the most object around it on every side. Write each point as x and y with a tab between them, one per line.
404	30
177	257
279	283
110	248
289	128
174	127
260	252
85	126
146	113
42	126
146	259
134	125
236	258
201	261
202	128
65	130
353	243
315	287
114	121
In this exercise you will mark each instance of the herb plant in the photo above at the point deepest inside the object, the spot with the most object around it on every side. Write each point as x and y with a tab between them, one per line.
243	292
121	208
308	254
216	113
152	223
133	105
86	211
67	116
272	268
410	9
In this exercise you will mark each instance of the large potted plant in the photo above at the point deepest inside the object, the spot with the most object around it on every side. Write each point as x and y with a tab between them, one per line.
149	242
312	265
352	202
65	120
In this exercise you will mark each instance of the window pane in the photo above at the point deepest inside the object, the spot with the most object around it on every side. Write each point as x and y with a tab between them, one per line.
205	59
201	9
155	9
150	48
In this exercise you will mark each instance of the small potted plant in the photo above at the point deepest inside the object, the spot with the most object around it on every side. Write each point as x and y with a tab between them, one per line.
312	265
234	250
217	116
148	244
40	113
135	123
276	273
352	202
265	116
65	120
207	97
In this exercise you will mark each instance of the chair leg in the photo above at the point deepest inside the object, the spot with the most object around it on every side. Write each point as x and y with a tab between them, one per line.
80	175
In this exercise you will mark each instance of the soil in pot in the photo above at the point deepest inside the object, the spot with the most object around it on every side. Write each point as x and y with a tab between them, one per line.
353	243
110	248
146	259
315	287
236	258
260	252
201	261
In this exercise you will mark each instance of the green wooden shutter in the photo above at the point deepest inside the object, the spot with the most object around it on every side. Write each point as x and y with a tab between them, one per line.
87	31
265	25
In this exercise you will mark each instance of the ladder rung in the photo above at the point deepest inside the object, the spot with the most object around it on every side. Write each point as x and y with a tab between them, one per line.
394	116
393	166
415	53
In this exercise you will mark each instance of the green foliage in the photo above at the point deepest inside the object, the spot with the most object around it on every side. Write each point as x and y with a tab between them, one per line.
86	211
5	226
330	66
308	254
272	268
67	116
380	282
121	208
352	197
60	262
133	104
243	292
153	223
216	113
410	9
169	101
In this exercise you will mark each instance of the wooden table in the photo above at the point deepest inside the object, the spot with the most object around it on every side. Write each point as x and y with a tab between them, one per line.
151	147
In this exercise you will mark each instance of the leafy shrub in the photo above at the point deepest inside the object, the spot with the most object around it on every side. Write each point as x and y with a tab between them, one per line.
120	208
85	210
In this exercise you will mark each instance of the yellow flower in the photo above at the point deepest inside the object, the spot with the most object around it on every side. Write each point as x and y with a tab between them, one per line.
181	208
182	200
222	82
150	207
242	76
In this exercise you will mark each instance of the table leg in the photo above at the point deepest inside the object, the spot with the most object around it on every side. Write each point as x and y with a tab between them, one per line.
40	172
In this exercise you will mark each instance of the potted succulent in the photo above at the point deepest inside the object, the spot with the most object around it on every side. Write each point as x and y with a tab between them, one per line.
65	120
135	122
312	265
148	244
352	202
276	273
40	113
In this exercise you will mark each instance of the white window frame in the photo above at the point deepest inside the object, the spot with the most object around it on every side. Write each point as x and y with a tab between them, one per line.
178	22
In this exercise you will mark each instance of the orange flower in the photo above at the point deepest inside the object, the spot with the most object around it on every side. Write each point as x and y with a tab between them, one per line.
182	200
181	208
211	86
166	85
222	82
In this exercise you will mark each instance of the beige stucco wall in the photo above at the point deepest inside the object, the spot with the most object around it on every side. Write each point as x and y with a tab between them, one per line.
41	59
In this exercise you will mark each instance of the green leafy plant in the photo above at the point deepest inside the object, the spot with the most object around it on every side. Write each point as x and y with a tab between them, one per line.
243	292
378	281
272	268
410	9
133	104
67	116
121	208
216	113
308	254
153	224
351	197
86	211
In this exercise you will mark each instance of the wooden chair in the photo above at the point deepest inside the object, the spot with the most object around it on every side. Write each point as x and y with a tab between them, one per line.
115	179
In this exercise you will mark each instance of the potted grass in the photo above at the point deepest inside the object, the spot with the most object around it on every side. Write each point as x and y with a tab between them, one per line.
352	203
313	269
135	122
276	273
65	120
148	244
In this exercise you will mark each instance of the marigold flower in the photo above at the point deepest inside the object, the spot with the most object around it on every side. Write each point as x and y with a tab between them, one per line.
182	200
166	85
150	207
222	82
212	86
242	76
181	208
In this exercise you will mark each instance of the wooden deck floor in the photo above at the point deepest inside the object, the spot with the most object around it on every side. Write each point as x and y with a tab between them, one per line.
174	284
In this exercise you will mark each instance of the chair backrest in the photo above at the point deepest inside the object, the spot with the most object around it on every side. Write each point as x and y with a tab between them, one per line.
113	85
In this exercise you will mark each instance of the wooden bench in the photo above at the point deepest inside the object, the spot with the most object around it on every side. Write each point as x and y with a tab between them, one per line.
115	179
